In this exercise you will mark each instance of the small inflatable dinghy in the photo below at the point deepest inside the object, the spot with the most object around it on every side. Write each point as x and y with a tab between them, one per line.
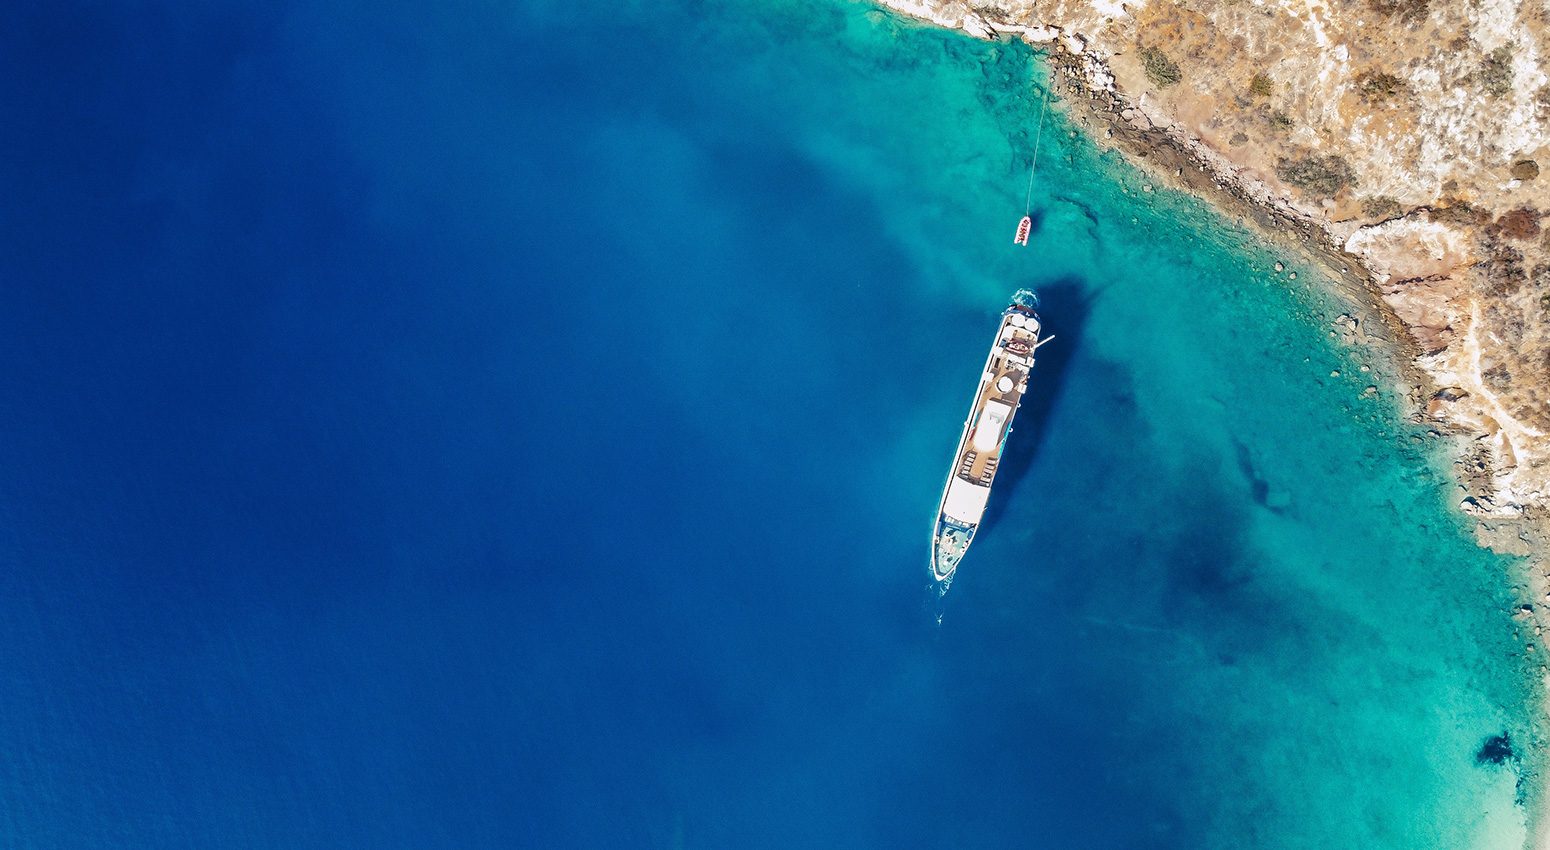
1023	228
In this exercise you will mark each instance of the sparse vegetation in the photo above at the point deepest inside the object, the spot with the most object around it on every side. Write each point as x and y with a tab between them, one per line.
1280	120
1260	86
1322	175
1161	70
1541	278
1525	169
1378	86
1504	271
1522	223
1498	377
1459	212
1495	71
1381	207
1409	11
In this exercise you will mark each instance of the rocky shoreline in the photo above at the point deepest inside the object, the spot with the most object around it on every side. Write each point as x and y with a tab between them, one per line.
1394	265
1416	265
1508	523
1440	273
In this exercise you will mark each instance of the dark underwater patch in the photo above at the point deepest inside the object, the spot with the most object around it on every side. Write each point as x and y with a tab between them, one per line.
1497	749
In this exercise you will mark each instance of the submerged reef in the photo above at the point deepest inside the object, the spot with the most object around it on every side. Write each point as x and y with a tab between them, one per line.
1497	749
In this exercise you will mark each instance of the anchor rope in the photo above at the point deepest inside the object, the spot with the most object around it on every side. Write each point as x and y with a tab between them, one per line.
1028	200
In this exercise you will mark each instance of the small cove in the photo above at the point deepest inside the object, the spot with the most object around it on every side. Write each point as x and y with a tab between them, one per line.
563	392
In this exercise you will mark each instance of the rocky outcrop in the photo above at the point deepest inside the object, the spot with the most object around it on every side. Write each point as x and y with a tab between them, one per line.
1406	137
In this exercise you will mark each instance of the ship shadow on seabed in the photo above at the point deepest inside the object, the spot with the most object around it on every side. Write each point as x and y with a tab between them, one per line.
1063	309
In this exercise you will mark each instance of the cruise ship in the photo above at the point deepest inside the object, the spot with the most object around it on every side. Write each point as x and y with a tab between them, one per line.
1000	393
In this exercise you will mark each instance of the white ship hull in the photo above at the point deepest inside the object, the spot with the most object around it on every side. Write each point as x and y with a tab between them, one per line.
1002	384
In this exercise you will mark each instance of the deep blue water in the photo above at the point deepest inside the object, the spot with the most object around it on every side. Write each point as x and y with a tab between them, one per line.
504	424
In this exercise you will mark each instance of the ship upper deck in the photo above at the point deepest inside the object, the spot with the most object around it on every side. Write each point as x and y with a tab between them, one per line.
1000	393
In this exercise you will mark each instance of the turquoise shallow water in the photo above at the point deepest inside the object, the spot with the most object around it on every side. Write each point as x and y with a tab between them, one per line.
520	424
1254	562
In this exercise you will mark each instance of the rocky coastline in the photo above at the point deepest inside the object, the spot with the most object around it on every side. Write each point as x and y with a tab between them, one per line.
1372	159
1461	290
1465	285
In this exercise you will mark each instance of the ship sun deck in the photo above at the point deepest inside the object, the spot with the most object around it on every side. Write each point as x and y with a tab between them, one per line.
1000	393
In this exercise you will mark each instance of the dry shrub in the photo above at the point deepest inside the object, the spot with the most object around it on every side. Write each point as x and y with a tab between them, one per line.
1381	207
1521	223
1322	175
1161	70
1378	86
1409	11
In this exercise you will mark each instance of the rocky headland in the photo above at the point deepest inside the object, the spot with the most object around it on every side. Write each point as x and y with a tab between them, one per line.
1403	140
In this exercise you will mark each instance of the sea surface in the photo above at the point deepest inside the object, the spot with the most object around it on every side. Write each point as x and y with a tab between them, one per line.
520	424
